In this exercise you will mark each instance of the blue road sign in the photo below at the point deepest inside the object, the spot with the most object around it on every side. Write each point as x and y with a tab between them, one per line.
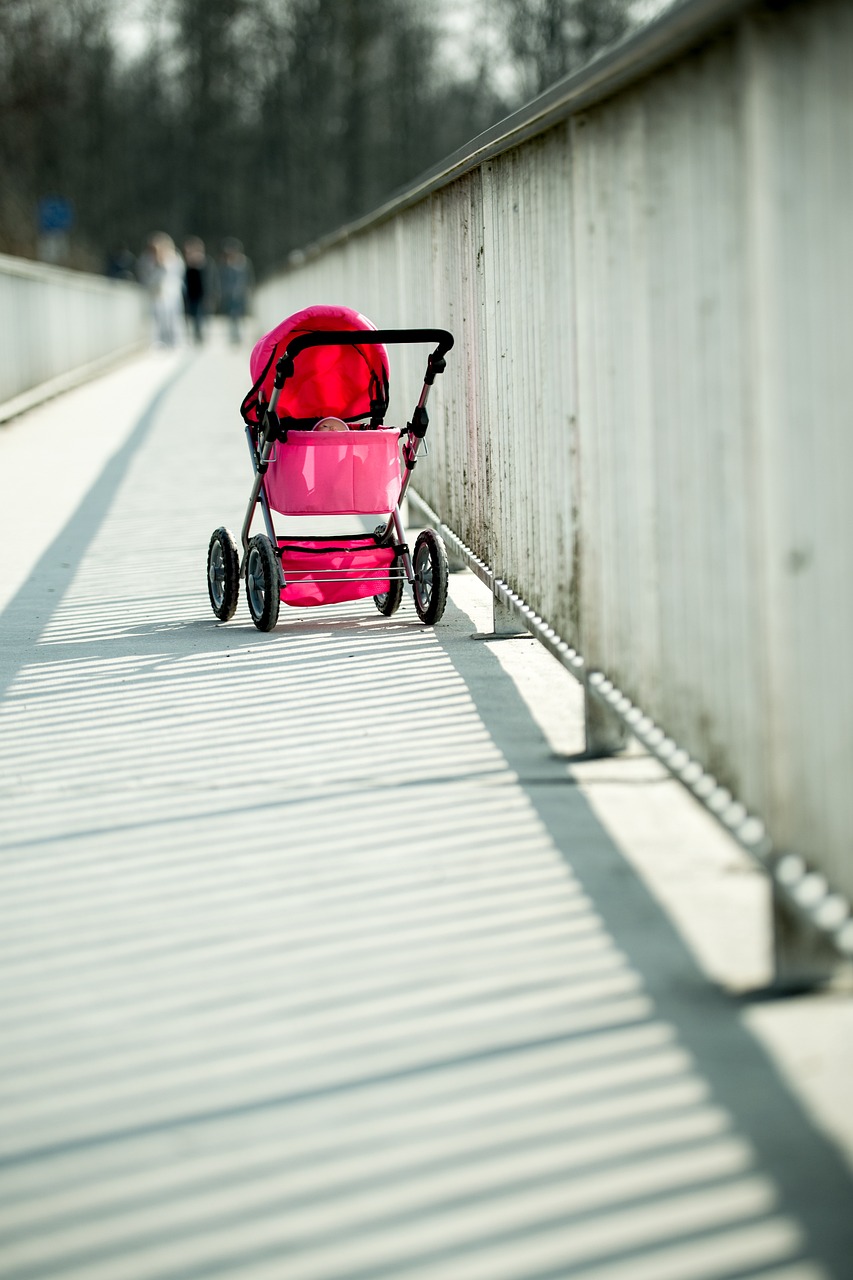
55	213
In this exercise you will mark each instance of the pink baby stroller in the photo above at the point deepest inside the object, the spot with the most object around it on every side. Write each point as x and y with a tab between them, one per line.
315	426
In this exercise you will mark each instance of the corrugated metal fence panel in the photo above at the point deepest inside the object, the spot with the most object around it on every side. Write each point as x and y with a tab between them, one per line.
801	142
53	322
529	356
669	595
715	277
456	477
645	427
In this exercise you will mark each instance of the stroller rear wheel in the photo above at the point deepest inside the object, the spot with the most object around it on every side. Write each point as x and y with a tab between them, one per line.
262	583
430	584
223	574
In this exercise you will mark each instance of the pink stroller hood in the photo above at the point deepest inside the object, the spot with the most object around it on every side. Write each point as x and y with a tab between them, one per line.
328	381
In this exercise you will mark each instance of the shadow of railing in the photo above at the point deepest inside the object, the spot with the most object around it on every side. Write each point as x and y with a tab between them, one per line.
307	975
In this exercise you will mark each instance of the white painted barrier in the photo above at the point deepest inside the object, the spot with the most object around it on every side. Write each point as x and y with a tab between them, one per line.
646	427
57	325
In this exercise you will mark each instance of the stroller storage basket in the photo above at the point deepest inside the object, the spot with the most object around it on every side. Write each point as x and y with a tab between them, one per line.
323	573
335	473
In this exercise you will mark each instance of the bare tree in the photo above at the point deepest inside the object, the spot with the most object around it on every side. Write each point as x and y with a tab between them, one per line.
274	121
546	39
55	106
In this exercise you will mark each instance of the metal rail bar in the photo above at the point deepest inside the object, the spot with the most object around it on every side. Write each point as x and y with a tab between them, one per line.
640	53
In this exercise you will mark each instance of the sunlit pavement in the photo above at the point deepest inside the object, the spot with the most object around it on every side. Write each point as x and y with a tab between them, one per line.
321	957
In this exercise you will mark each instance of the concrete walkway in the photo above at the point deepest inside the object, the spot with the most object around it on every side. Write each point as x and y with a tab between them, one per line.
322	958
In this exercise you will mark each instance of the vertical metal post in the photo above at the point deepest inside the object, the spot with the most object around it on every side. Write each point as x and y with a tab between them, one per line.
506	621
606	732
803	957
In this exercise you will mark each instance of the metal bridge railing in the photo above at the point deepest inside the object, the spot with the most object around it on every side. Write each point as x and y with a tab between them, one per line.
57	327
644	435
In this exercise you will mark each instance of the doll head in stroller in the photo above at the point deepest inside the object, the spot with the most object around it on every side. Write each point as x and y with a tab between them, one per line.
319	446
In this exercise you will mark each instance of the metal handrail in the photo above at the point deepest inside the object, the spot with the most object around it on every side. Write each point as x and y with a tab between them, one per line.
638	54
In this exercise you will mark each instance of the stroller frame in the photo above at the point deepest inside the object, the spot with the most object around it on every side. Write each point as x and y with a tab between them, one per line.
260	563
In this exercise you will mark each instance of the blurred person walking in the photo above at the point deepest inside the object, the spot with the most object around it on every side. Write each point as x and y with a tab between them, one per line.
200	286
236	281
161	271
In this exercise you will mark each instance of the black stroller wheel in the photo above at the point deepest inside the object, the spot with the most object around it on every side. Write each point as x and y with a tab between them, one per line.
263	591
430	584
223	574
388	602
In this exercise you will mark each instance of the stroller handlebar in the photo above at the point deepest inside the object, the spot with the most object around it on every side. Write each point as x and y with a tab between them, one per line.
364	338
367	338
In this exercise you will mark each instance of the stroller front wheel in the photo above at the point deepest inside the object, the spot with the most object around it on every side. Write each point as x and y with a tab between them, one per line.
388	602
262	583
430	585
223	574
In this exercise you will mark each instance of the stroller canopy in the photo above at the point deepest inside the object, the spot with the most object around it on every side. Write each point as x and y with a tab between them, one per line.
336	382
